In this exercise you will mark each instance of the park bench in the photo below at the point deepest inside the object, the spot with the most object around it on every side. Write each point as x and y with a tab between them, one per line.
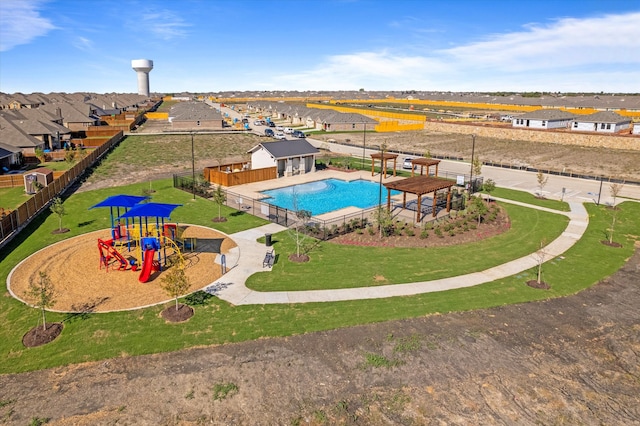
269	258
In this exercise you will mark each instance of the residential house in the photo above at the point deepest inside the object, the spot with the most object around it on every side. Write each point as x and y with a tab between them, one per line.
544	119
602	121
192	116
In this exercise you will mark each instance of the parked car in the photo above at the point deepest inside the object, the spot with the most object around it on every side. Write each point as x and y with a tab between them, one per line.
407	163
288	130
280	136
269	132
258	123
298	134
279	128
271	124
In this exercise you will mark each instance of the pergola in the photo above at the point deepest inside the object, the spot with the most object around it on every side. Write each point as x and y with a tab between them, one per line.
420	185
383	157
424	162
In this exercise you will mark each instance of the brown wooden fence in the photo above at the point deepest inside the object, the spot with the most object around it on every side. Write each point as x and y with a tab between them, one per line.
220	175
13	222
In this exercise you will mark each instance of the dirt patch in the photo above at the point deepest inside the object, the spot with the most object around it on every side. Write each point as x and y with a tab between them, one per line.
39	336
571	360
180	314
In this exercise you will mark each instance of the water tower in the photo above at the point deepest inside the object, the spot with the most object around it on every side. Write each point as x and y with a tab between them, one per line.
142	67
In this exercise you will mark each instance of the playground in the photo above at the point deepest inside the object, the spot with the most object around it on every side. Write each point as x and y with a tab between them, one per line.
123	267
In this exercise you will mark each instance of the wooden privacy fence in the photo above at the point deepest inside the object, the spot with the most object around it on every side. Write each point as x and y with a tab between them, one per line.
14	221
226	176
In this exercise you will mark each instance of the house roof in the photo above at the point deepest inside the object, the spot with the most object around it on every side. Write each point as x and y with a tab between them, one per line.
193	111
286	149
547	114
603	117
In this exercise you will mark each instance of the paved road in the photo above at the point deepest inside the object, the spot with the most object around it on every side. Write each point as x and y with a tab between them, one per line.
578	190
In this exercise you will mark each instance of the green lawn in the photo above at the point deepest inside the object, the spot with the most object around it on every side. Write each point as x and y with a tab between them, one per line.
93	337
528	198
333	265
100	336
10	198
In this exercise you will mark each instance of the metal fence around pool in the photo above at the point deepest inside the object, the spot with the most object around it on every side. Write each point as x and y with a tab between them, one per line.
323	229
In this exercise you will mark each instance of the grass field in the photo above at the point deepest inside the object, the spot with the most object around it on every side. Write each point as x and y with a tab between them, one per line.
88	337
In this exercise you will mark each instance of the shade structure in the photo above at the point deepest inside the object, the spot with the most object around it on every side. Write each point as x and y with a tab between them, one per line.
126	201
151	210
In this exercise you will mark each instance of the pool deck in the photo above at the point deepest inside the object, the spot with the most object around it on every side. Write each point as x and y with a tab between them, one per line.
253	190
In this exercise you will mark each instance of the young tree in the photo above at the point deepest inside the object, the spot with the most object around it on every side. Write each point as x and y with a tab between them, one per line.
175	283
302	217
58	209
614	217
42	293
542	181
615	189
219	197
40	155
540	256
478	208
477	166
70	156
489	186
384	219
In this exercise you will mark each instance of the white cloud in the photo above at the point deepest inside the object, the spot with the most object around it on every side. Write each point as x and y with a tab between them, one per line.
569	54
165	24
566	43
83	43
20	23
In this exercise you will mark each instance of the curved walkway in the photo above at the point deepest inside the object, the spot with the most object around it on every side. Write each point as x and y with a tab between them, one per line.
231	287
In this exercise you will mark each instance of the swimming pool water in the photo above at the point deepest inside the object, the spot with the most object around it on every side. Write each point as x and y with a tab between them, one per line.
327	195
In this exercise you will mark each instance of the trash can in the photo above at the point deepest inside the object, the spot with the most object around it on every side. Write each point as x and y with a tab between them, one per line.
267	240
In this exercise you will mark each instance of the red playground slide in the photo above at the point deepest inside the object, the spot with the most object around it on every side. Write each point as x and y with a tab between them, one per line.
147	265
107	252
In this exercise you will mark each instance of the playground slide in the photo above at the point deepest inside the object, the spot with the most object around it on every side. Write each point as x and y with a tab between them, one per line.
111	252
147	265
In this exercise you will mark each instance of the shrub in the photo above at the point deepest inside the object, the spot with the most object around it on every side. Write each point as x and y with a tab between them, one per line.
424	234
410	232
438	232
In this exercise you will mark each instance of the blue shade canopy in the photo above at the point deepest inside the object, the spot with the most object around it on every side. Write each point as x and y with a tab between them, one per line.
120	201
151	210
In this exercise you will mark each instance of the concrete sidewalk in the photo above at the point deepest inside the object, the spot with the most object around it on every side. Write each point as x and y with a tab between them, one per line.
250	254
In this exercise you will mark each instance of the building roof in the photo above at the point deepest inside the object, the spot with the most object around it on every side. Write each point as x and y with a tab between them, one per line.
602	117
193	111
547	114
287	149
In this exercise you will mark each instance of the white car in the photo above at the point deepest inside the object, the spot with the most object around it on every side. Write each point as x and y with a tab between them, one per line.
279	128
407	163
288	130
280	136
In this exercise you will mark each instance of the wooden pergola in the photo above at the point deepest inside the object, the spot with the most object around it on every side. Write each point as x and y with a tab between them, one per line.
420	185
384	157
424	163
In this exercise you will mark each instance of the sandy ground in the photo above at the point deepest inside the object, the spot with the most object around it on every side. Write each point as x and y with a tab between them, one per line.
83	285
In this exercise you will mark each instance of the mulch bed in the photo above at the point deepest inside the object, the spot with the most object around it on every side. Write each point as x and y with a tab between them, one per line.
482	231
299	258
611	244
541	285
60	231
39	335
219	219
183	313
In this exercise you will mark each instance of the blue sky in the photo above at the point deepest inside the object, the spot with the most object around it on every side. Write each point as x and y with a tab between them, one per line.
210	45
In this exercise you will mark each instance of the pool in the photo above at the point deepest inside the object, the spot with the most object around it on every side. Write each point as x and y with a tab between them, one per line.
327	195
